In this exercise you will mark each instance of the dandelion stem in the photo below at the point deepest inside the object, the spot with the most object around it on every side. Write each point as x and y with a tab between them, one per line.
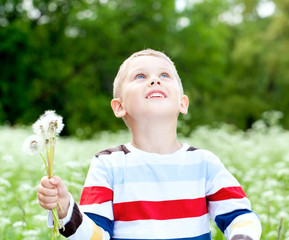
60	207
46	167
57	224
48	162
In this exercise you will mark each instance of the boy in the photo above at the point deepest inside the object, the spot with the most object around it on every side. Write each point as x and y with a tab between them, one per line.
154	187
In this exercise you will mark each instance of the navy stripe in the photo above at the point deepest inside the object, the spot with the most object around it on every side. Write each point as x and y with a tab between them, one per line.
224	220
102	222
206	236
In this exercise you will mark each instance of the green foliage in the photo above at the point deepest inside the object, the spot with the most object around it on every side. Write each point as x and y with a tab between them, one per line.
258	158
64	55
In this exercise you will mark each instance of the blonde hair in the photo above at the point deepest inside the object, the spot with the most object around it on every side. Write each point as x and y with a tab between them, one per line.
123	69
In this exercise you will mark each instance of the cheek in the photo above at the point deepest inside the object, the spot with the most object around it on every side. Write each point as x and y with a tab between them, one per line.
176	90
130	99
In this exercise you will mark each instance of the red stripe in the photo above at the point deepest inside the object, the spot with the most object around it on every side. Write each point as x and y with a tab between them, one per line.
227	193
172	209
91	195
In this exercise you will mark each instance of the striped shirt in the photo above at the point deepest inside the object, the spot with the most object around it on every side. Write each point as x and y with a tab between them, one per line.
132	194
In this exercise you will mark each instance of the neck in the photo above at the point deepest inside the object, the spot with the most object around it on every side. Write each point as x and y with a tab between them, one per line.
156	137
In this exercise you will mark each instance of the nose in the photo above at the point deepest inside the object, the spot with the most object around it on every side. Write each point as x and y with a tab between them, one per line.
155	82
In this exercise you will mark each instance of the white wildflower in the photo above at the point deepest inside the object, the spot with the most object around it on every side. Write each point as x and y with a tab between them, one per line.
33	145
40	218
19	224
4	182
4	221
31	232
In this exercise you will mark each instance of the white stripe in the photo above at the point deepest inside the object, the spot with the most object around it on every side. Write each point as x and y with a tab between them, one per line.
97	175
163	229
182	157
104	209
226	206
224	179
159	191
84	231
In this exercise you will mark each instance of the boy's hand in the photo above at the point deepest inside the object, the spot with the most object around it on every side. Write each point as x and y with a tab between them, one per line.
53	190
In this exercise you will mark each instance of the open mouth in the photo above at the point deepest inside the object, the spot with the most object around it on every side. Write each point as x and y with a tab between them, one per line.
155	94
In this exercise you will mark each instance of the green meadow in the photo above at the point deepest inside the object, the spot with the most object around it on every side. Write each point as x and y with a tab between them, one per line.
258	158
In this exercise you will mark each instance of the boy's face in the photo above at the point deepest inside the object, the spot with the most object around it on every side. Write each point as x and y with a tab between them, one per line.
150	89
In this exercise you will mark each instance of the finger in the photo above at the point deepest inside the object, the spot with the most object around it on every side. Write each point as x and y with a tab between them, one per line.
48	206
45	182
62	189
47	199
57	181
47	191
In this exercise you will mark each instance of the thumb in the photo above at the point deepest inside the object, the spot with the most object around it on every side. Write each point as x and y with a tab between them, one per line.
57	182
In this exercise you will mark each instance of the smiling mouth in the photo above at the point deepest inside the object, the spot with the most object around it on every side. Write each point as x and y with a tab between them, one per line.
155	95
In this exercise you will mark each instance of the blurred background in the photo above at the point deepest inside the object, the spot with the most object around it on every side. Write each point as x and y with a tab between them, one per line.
232	56
63	55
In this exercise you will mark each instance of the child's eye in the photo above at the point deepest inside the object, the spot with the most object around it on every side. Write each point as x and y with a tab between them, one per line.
164	75
140	76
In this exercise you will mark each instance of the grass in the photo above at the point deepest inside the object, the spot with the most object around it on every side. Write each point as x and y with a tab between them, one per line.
258	158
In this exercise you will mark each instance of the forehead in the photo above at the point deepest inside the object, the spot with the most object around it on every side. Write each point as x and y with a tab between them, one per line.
149	62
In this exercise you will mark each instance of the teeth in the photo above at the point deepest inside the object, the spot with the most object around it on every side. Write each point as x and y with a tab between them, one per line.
156	95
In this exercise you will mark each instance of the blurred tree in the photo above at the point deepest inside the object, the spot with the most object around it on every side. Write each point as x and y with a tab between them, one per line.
64	55
201	50
258	71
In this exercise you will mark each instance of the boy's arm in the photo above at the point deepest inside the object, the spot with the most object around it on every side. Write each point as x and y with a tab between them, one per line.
245	226
93	218
228	205
78	226
230	209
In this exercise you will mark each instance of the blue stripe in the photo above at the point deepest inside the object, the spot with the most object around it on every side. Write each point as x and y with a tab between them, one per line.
224	220
103	222
164	173
206	236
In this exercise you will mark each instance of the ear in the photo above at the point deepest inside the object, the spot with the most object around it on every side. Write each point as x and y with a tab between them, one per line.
117	108
184	104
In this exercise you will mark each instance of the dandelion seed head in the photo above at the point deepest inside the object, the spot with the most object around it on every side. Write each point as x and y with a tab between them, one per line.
51	122
49	125
33	145
38	128
48	112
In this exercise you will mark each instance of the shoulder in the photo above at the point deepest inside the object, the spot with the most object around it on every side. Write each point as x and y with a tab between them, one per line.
121	149
109	158
203	154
